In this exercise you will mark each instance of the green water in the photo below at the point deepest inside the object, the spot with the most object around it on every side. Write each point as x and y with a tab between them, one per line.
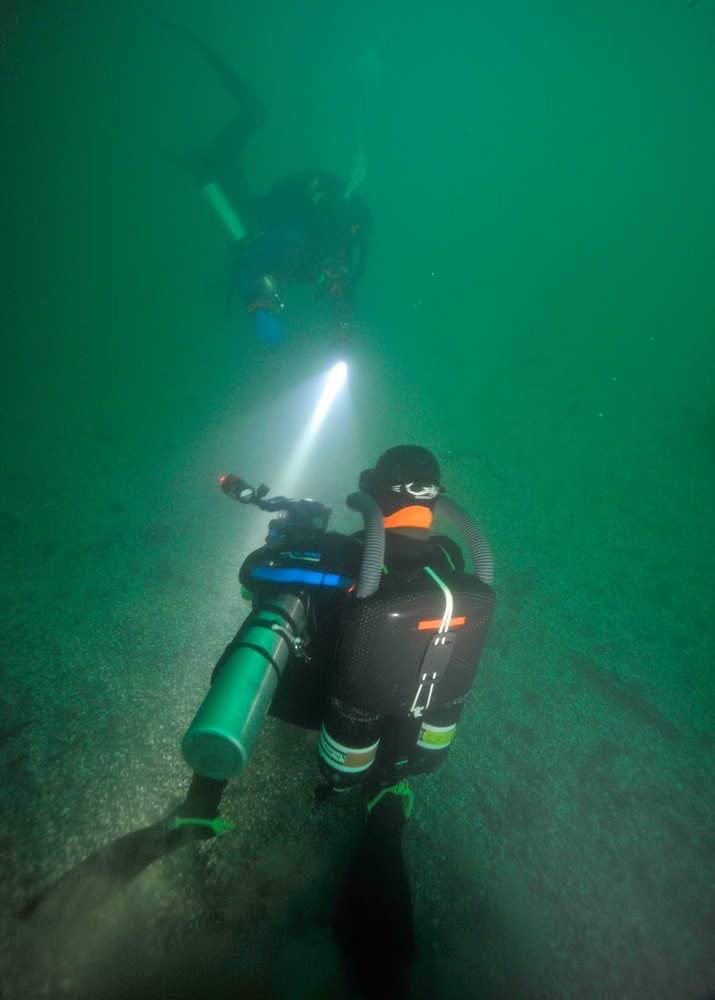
538	309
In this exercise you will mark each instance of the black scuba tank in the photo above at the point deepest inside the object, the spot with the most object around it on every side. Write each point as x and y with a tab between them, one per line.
409	648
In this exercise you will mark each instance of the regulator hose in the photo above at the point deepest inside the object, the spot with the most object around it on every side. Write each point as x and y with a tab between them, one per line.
374	554
482	561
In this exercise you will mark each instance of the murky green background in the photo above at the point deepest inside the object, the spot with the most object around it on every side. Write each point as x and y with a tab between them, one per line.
538	309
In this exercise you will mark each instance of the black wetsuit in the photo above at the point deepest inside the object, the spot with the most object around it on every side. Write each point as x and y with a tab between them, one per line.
305	231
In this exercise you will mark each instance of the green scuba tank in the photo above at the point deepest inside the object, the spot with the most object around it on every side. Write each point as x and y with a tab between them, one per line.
224	212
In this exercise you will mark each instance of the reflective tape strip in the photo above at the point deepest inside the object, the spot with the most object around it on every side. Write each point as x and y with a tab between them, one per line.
435	737
350	760
453	623
296	574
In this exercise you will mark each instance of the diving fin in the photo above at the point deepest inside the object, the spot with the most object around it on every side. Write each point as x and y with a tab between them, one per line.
95	879
373	923
247	100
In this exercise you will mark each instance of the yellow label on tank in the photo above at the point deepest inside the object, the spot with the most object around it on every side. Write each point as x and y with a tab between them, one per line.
434	739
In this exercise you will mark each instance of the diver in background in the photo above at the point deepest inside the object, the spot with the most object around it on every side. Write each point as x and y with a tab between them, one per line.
310	228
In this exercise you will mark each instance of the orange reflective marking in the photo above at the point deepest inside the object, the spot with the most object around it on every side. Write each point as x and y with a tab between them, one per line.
453	622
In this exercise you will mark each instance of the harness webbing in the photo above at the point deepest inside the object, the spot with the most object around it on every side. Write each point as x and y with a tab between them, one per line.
438	640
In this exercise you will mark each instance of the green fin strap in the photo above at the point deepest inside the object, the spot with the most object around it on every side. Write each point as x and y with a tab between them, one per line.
218	825
401	788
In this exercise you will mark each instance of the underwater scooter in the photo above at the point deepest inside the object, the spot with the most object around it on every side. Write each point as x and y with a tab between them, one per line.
223	732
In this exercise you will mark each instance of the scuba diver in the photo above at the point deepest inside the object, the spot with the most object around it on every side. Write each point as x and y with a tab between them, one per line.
372	640
309	229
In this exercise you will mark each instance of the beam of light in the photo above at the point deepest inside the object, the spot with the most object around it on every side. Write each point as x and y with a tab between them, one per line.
336	377
299	456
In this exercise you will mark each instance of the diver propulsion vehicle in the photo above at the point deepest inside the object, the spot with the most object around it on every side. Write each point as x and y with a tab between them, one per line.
409	652
223	732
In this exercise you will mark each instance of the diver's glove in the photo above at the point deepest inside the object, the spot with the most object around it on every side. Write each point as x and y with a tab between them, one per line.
270	330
